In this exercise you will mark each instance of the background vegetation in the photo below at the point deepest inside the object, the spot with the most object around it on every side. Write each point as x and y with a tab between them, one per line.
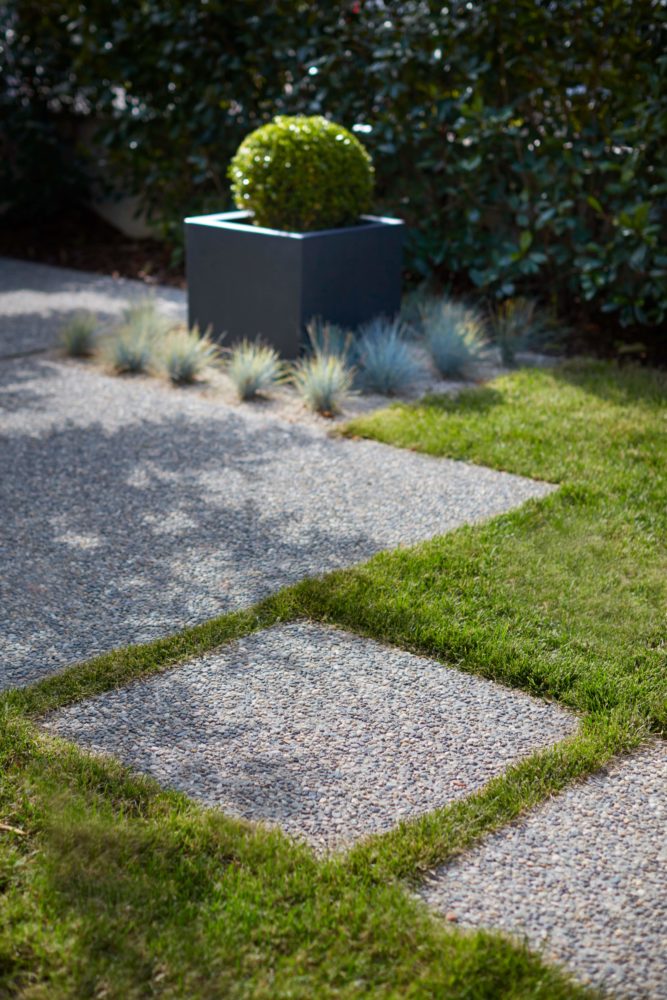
521	141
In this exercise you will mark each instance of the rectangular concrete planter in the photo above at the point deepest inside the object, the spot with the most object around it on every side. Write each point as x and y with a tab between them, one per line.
246	281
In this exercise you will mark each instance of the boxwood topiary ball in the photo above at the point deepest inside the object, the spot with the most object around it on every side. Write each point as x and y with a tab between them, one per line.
301	174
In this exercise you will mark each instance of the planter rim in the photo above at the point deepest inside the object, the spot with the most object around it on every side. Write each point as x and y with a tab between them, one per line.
236	220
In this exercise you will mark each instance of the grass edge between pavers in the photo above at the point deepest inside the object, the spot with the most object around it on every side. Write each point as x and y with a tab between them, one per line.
139	661
413	846
134	798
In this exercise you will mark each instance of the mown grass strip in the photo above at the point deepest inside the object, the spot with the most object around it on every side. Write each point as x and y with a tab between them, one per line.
565	597
581	421
128	663
417	846
121	889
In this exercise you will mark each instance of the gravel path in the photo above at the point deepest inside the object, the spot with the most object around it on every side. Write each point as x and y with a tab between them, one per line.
583	878
132	510
330	735
36	300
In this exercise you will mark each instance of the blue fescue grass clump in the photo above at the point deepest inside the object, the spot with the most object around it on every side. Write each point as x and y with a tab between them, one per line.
454	335
254	368
330	340
519	324
510	323
412	305
386	362
77	337
134	346
128	351
185	354
323	381
324	377
143	318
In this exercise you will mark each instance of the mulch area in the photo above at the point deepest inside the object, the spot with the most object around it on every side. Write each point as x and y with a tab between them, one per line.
79	239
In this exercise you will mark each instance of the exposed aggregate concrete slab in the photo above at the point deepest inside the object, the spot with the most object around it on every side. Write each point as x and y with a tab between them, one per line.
330	735
131	510
583	878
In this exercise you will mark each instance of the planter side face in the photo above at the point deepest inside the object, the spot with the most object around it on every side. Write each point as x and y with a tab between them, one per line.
246	281
352	275
244	286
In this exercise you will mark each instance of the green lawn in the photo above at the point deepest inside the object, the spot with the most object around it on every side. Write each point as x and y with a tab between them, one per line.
110	887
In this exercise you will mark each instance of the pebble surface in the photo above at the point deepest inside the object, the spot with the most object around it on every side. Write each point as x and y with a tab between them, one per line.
330	735
583	878
131	510
36	300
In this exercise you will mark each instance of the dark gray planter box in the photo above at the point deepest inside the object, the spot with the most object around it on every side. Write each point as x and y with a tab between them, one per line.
247	281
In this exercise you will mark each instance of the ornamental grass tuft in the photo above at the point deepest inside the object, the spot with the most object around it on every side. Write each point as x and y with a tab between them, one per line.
185	354
77	337
454	335
128	351
520	325
134	346
323	382
386	361
254	368
330	339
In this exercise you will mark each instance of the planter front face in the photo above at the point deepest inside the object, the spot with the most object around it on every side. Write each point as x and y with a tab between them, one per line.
246	281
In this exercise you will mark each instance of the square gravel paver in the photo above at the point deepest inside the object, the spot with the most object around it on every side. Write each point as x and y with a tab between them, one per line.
327	734
130	510
583	878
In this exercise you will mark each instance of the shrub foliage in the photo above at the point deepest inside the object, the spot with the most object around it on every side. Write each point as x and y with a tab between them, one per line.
522	142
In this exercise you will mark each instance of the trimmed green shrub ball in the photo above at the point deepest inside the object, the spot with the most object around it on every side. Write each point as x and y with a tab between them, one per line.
302	174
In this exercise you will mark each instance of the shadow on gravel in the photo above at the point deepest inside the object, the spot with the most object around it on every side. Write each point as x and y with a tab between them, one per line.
130	512
37	300
110	538
16	392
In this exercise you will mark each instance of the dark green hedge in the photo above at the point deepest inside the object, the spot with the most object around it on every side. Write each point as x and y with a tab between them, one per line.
523	141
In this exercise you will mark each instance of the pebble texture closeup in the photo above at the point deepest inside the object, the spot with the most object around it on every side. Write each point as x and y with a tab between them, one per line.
583	878
327	734
132	510
37	300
